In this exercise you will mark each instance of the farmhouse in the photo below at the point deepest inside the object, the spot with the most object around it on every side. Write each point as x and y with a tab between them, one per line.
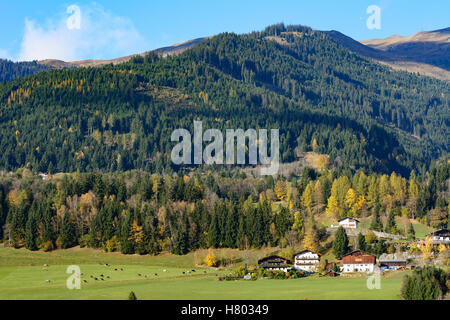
393	264
307	261
358	261
440	237
275	263
349	223
393	261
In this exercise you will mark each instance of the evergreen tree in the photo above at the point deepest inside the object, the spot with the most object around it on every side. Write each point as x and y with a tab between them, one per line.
376	223
390	223
411	231
132	296
231	228
67	233
361	242
213	233
31	233
340	244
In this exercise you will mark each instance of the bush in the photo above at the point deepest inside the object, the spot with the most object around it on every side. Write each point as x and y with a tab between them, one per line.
84	240
132	296
112	245
48	246
211	259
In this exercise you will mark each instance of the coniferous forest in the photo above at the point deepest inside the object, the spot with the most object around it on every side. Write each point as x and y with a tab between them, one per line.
103	136
120	118
137	212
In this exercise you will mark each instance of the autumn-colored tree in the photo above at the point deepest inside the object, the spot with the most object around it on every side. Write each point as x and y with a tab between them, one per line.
350	201
307	197
281	189
211	258
299	224
332	208
426	247
136	232
371	237
311	241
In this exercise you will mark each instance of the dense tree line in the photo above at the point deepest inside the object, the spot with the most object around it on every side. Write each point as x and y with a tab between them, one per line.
13	70
425	284
136	212
321	96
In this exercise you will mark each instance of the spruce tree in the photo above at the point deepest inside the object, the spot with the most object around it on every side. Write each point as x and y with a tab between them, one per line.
376	223
213	233
390	224
361	242
67	233
340	244
31	233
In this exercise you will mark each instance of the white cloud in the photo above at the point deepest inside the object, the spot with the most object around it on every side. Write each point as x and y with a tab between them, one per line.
102	36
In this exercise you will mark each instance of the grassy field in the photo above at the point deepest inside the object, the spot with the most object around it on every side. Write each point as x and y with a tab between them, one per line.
23	276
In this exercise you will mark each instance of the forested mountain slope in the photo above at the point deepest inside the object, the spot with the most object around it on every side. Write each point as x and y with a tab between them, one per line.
292	78
12	70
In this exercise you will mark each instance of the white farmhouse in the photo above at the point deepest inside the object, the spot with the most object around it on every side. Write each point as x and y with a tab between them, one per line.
307	261
358	261
440	237
349	223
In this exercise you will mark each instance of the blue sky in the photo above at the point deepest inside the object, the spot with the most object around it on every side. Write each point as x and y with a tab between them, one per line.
31	29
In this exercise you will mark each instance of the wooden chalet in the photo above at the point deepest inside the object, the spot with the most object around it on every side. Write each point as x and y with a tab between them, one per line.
307	261
349	223
275	263
441	237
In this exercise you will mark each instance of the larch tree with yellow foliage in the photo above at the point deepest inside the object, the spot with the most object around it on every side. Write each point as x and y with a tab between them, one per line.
281	189
307	197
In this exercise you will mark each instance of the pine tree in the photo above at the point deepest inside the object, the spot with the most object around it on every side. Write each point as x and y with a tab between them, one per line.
340	244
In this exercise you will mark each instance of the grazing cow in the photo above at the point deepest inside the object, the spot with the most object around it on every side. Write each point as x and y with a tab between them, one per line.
164	270
193	270
45	265
85	281
107	277
115	269
156	274
139	275
95	279
121	269
48	281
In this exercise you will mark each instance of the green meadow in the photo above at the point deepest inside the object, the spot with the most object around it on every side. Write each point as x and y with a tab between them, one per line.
24	276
